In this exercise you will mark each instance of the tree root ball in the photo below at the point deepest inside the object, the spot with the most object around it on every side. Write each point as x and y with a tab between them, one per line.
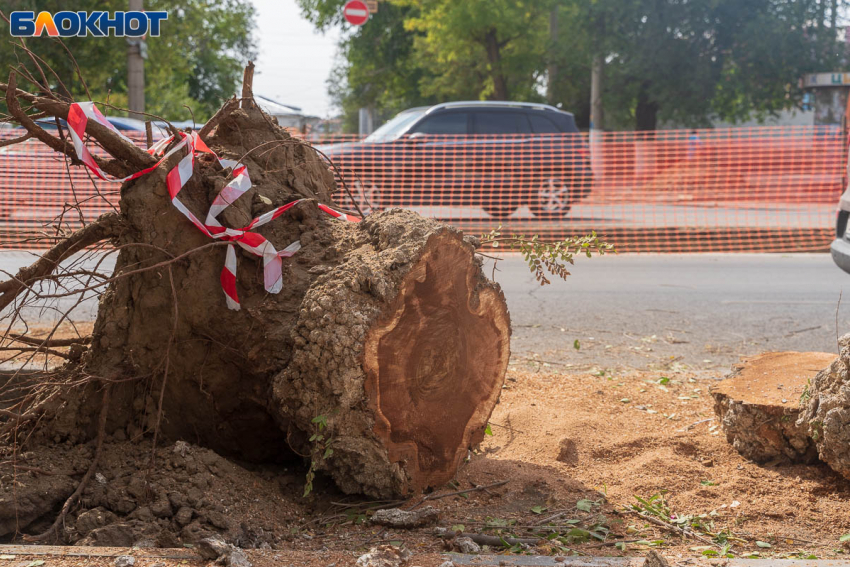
826	413
380	360
758	405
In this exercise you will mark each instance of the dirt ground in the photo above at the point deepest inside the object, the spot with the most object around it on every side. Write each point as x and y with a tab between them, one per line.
629	435
579	445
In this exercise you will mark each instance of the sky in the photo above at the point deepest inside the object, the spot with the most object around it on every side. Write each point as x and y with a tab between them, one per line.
294	60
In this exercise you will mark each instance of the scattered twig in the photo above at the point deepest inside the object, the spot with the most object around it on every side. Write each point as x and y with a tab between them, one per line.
673	528
490	540
430	497
694	424
506	427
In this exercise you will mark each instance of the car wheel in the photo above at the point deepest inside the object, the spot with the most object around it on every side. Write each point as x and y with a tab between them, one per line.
367	196
499	212
551	200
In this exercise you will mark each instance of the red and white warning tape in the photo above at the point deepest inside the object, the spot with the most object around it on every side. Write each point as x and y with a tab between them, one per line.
253	242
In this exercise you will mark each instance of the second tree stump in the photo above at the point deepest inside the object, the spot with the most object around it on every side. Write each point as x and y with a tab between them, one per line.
759	402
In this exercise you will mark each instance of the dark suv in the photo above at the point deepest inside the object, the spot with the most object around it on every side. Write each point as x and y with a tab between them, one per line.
493	155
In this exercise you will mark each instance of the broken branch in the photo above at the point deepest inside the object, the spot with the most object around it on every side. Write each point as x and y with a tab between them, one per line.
106	226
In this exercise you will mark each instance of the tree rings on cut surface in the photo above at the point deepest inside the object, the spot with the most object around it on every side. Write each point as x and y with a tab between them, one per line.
435	362
402	345
759	404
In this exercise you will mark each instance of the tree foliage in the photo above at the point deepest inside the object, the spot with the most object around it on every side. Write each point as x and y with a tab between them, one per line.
687	62
479	49
377	68
197	60
684	62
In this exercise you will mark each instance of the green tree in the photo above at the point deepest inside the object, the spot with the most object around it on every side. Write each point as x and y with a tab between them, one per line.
666	60
375	67
197	60
778	42
687	62
481	49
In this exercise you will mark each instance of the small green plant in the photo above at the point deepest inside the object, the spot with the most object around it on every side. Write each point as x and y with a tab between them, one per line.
806	395
724	552
816	427
548	257
321	450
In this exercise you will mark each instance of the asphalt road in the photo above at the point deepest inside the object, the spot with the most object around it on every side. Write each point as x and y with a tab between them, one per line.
655	311
597	215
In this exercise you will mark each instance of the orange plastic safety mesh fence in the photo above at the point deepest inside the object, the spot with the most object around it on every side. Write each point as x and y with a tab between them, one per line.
771	189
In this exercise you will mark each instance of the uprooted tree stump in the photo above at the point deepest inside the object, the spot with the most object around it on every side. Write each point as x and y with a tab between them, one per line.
759	403
826	413
386	338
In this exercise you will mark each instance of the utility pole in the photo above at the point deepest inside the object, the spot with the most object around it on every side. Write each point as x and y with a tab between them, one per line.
136	55
553	66
596	117
366	118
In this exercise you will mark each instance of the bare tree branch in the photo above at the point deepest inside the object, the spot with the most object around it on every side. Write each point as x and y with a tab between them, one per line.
106	226
128	157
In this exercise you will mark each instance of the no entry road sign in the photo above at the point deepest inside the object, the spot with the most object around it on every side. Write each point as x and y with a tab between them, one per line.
356	12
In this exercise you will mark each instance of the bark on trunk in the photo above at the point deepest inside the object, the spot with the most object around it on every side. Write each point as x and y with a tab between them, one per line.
826	414
759	404
646	111
494	58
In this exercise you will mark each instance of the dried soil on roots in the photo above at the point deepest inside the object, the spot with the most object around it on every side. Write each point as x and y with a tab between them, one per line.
168	362
250	384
